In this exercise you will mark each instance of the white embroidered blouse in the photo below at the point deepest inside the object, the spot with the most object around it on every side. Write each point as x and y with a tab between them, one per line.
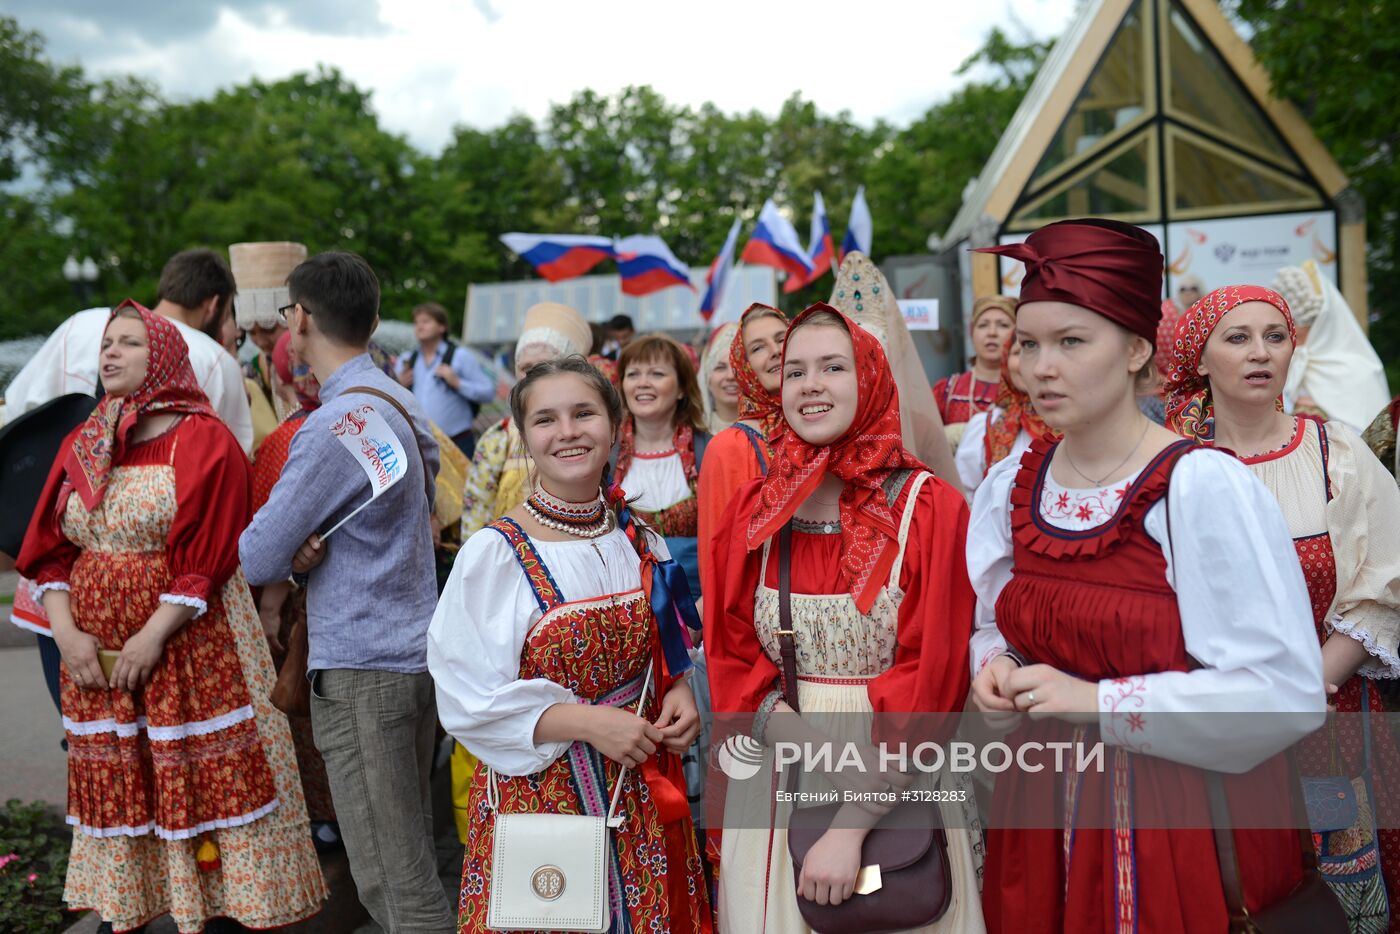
478	632
1244	611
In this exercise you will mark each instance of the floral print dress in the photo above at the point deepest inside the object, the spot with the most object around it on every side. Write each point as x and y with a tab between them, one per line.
184	795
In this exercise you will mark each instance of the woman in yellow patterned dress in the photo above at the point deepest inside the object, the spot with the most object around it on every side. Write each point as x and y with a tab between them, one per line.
182	783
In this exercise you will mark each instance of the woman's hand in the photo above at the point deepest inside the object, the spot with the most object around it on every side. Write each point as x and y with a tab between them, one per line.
679	721
992	695
274	597
832	864
621	735
79	651
1042	691
138	659
272	627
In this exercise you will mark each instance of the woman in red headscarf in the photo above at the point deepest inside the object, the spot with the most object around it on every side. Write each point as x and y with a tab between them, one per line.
1005	430
182	785
1126	577
740	453
880	607
1225	388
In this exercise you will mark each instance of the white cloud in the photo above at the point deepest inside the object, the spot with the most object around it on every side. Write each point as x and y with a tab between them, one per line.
434	63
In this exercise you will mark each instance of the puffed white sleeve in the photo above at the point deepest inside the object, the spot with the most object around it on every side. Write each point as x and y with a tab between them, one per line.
474	644
1245	617
989	558
971	456
1364	521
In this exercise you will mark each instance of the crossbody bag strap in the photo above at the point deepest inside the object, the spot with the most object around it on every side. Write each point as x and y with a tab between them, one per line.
787	644
379	393
1225	850
614	820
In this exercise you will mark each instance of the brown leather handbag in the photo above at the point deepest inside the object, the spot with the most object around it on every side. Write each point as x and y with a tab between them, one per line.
1312	906
292	692
905	879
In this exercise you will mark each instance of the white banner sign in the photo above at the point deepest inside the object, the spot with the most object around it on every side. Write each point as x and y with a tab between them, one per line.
920	314
1250	250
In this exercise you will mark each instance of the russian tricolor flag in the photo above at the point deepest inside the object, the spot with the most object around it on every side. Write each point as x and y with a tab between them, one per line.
820	249
560	256
647	265
860	230
718	277
774	243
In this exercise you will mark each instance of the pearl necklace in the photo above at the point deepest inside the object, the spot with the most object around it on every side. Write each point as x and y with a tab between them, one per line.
586	520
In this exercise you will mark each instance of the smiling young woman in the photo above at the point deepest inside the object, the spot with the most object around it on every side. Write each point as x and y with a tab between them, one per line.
1095	607
662	443
1227	377
534	680
880	604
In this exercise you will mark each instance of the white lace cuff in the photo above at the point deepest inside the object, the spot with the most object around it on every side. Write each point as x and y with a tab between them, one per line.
1383	662
40	589
179	599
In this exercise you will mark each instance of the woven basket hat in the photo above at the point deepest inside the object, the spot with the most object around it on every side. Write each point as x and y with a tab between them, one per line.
260	271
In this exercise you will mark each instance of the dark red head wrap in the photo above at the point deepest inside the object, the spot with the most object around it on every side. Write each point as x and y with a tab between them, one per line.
1111	268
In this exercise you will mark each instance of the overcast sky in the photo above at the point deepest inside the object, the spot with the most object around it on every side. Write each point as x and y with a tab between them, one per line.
435	63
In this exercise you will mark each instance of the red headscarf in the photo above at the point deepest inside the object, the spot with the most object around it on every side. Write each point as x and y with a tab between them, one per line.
296	374
755	402
169	386
1166	335
1017	413
864	457
1190	412
1111	268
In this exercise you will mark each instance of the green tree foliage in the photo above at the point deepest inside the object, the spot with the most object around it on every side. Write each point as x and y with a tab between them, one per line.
1335	61
122	175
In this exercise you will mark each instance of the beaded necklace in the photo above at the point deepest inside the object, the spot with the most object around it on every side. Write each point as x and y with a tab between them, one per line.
586	520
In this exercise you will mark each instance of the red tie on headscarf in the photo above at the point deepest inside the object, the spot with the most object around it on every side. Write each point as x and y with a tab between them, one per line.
755	402
1111	268
169	386
864	457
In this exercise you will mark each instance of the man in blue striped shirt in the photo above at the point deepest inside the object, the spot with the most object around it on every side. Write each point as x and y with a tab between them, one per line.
370	594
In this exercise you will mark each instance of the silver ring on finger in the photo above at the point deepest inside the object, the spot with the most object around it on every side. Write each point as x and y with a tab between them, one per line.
1030	698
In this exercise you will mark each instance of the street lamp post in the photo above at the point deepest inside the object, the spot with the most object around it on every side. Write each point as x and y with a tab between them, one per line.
82	276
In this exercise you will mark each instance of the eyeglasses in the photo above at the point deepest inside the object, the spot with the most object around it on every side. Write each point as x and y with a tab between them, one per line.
282	312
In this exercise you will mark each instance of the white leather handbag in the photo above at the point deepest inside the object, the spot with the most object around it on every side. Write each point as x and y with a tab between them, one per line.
549	872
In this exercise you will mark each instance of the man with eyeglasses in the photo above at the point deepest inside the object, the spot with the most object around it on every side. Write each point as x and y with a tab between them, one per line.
371	591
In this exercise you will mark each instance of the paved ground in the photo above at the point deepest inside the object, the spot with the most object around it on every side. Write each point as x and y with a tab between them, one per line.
33	767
